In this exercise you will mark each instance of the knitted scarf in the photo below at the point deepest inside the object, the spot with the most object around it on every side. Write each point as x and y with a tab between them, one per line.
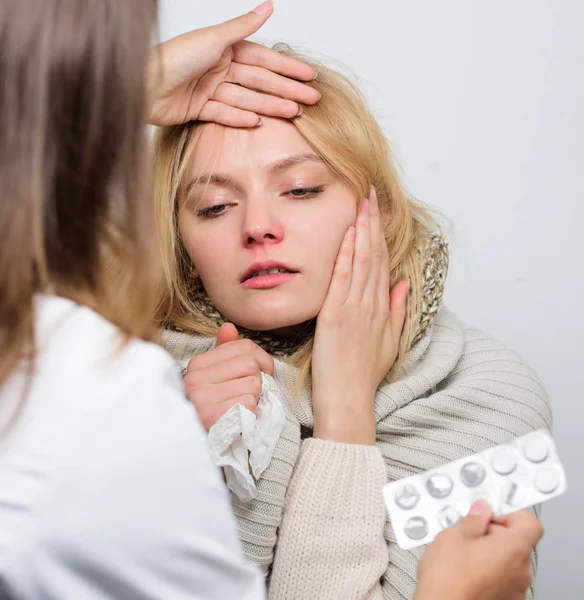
459	393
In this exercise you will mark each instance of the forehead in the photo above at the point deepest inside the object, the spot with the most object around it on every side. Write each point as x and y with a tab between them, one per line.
228	149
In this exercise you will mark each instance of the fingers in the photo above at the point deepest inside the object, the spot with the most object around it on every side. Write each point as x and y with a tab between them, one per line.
247	400
379	281
370	269
228	374
477	522
224	370
377	238
525	524
341	277
236	30
223	392
362	255
263	80
248	100
260	56
384	281
398	308
229	350
227	333
210	413
220	113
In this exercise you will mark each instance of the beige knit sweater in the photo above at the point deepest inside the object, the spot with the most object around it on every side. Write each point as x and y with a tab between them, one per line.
331	544
460	392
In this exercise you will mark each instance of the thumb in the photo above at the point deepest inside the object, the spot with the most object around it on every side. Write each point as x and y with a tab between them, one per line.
238	29
227	333
476	523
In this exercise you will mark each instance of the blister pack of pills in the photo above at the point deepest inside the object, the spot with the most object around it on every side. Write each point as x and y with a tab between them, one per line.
509	477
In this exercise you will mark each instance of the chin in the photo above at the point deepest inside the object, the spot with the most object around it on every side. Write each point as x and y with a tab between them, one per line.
267	322
268	316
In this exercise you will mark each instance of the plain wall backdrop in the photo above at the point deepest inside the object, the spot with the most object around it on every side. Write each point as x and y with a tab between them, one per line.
483	104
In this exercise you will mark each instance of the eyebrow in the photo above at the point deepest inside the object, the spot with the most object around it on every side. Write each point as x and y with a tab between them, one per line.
292	161
277	167
211	179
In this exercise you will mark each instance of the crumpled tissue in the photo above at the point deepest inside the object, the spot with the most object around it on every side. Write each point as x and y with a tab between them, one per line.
240	440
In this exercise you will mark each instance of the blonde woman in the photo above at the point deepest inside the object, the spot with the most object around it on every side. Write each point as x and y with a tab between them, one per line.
300	238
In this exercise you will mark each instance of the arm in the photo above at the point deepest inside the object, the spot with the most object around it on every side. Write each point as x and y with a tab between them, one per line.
331	535
331	542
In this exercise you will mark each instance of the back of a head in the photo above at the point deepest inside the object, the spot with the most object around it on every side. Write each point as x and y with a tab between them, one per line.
72	113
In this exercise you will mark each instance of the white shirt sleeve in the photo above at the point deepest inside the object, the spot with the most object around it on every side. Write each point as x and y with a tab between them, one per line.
139	512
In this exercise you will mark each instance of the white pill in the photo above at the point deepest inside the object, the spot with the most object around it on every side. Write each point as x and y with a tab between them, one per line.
513	494
504	461
547	480
536	449
439	485
472	473
416	528
407	497
448	516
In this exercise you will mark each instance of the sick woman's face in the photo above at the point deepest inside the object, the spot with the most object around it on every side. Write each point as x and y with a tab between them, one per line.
262	222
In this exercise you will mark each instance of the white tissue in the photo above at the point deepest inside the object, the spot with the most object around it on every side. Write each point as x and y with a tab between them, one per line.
240	440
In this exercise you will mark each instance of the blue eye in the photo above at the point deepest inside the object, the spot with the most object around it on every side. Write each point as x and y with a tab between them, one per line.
305	192
212	212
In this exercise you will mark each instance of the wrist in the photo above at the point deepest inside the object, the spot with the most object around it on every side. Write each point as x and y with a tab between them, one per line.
346	426
427	592
342	436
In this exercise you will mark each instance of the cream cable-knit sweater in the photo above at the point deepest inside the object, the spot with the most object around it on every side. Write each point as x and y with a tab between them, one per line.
460	392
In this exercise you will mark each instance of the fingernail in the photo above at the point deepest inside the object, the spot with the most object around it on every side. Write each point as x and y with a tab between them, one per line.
478	508
299	111
263	8
260	122
365	206
315	76
351	232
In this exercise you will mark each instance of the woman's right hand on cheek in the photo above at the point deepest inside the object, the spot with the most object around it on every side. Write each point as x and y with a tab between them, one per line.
480	560
357	333
229	374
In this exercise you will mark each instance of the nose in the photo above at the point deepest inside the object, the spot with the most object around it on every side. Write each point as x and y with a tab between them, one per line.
260	225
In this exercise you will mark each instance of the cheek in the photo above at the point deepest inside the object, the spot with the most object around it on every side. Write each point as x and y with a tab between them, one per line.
203	249
328	234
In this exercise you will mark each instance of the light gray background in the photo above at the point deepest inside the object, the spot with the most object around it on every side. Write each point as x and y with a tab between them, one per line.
483	103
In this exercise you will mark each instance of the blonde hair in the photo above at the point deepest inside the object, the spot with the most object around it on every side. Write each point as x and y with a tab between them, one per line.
345	135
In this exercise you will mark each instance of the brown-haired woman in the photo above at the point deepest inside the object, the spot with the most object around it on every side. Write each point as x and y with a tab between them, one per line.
106	488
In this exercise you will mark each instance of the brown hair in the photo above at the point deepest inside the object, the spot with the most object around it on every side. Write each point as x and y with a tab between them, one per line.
345	134
75	219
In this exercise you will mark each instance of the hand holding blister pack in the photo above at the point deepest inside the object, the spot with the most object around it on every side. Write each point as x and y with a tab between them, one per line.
509	477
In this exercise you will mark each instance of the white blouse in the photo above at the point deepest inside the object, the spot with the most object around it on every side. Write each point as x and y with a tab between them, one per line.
106	487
